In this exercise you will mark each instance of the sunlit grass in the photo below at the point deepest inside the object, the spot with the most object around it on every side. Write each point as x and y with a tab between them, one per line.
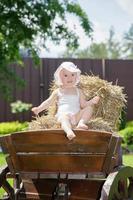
2	159
128	160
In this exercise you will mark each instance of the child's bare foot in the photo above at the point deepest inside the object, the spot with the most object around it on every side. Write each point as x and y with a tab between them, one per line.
82	125
71	135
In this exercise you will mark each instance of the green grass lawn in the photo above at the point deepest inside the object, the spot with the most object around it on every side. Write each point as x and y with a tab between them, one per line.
2	160
127	160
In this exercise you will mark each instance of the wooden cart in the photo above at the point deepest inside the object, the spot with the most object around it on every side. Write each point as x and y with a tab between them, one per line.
46	165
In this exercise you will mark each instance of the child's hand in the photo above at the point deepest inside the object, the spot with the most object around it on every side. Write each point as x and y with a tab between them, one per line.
35	110
96	99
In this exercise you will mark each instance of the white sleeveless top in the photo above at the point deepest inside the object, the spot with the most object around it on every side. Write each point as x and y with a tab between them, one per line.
68	104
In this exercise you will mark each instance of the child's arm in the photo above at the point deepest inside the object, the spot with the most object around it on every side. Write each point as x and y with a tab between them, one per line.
45	104
84	102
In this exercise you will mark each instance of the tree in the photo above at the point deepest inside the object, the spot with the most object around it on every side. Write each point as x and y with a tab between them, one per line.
108	49
128	43
96	50
113	46
22	21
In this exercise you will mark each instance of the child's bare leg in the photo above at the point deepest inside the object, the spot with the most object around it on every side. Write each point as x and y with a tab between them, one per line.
84	116
72	119
66	126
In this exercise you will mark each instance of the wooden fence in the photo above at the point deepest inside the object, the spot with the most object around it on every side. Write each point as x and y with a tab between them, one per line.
38	80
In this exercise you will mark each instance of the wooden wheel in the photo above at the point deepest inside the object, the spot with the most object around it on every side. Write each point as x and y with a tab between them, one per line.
118	185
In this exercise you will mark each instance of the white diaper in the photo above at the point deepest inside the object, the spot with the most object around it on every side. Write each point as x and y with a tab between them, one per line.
67	105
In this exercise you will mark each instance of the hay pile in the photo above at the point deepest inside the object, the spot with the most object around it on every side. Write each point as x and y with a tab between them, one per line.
107	112
44	122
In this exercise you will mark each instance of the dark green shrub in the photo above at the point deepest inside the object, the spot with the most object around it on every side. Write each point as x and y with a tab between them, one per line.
11	127
130	123
127	135
122	120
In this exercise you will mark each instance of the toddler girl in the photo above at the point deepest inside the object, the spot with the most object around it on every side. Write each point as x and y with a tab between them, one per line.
72	107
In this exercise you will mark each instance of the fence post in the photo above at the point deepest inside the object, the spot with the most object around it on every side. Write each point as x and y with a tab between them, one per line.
103	68
41	82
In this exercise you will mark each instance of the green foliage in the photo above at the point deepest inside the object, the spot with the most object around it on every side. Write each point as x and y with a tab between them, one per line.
130	123
130	147
128	160
128	43
2	191
2	159
122	120
111	48
21	22
19	106
108	49
11	127
95	50
127	133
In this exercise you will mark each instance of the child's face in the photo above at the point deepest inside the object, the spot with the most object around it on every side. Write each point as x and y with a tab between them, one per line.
68	78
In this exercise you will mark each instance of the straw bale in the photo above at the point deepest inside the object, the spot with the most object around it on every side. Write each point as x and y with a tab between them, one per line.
112	98
44	122
107	112
99	124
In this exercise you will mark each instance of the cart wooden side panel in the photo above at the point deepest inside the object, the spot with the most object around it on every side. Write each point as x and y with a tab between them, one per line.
51	167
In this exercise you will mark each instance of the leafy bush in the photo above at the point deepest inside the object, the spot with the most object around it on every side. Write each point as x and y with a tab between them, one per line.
11	127
122	120
19	106
130	123
127	133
